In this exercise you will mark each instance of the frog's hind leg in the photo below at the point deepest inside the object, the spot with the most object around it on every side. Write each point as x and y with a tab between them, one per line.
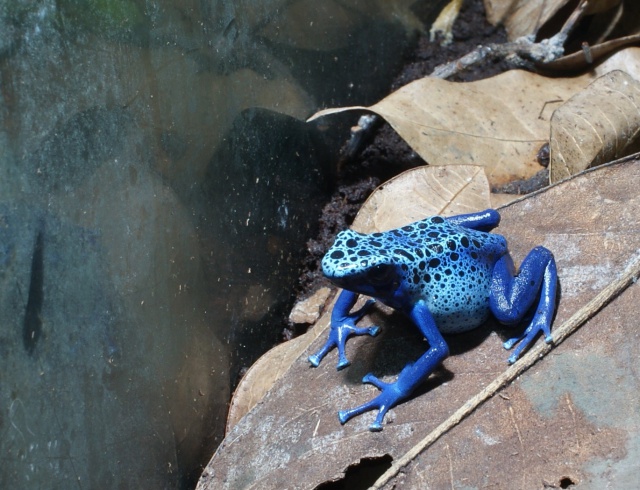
485	220
513	295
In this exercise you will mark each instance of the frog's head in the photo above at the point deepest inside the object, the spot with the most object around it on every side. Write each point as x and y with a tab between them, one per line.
365	264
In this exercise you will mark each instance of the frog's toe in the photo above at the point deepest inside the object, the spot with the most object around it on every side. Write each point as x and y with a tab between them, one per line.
343	362
371	379
508	345
391	394
377	424
525	340
315	360
343	416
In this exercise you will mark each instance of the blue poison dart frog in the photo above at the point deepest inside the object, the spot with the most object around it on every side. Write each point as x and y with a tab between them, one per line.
446	275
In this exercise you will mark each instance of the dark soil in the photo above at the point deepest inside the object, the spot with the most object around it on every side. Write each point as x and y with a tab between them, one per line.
385	154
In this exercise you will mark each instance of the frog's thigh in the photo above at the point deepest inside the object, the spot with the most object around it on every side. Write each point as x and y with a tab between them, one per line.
512	295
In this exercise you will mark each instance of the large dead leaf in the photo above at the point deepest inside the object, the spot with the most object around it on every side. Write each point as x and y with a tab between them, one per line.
577	401
500	122
597	125
408	197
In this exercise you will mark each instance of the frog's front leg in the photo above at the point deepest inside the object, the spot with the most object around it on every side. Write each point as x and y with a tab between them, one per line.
410	376
343	325
512	296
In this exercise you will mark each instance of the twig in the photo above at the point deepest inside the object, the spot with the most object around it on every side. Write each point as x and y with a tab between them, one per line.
614	288
517	51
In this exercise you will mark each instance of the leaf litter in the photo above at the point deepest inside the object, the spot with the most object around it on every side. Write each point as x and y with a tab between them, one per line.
499	123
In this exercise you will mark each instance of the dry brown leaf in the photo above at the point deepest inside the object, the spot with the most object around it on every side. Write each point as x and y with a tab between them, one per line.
526	17
627	60
422	192
406	198
597	125
499	199
575	401
521	17
499	123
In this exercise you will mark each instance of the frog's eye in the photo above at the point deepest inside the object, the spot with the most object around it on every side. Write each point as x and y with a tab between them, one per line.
380	274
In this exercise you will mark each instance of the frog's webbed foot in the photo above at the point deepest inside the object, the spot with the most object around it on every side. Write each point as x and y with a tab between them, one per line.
343	326
337	338
410	376
391	394
527	337
512	296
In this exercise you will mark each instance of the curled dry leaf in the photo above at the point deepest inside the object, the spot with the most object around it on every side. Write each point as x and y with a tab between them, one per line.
595	126
408	197
499	123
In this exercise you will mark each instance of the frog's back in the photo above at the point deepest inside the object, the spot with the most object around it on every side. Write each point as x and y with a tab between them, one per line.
454	277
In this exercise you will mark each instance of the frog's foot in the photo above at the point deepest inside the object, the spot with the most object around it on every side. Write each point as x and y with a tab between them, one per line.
411	375
512	296
337	338
391	394
526	339
343	327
